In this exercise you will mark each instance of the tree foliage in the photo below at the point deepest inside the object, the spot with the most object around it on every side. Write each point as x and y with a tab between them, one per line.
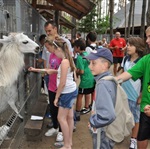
92	22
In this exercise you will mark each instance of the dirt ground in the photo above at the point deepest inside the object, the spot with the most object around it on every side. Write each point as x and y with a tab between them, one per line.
81	138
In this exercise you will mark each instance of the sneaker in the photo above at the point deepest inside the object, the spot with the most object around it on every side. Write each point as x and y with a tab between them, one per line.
59	144
74	128
133	143
4	131
86	110
90	106
83	109
77	118
59	137
48	115
51	132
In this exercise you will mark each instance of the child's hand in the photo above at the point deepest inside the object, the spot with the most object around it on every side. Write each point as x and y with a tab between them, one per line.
147	107
30	69
89	126
147	110
56	102
92	112
92	128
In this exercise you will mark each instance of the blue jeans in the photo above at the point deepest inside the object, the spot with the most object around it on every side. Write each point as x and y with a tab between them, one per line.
46	78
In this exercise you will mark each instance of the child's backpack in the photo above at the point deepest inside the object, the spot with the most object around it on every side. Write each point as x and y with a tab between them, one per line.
122	126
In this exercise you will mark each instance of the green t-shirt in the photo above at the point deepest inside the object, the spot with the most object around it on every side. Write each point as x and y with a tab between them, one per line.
142	69
86	79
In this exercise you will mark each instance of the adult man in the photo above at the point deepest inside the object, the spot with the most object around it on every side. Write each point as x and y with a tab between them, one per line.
117	46
142	69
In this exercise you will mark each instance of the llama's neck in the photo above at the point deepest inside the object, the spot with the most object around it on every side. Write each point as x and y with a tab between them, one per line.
12	61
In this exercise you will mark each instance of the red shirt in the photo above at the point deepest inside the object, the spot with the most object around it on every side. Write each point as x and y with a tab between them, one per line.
120	43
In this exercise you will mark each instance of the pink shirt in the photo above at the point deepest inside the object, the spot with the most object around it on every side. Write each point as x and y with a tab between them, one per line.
54	63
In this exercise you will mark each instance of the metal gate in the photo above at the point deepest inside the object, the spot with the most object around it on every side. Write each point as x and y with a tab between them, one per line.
19	16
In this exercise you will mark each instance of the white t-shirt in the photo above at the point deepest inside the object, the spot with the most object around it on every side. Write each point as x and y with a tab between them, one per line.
68	44
70	85
131	87
88	49
45	56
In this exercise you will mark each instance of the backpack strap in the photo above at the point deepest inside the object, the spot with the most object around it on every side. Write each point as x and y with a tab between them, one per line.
111	78
92	47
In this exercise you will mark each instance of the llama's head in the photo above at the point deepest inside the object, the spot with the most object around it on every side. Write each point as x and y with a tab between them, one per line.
25	44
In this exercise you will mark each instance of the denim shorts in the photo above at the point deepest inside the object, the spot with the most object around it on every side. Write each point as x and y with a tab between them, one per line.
135	109
67	100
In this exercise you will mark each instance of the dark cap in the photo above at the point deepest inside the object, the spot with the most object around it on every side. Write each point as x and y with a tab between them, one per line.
100	52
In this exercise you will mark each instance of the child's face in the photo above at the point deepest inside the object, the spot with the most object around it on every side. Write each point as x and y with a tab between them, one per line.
76	49
131	49
50	48
97	66
148	38
58	52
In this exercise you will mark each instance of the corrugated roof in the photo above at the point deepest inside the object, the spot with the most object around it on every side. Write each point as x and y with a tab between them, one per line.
119	17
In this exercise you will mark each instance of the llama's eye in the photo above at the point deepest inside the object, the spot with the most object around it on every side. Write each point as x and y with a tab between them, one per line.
25	42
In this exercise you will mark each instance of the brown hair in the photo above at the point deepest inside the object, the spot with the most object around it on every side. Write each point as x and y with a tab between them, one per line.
138	43
52	22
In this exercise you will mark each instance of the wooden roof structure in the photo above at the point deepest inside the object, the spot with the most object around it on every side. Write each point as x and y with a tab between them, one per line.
76	8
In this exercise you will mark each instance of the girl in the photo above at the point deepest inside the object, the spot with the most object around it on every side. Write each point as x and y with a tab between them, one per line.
66	91
54	63
135	50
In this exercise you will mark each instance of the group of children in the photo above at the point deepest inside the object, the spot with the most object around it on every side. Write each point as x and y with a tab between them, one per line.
92	67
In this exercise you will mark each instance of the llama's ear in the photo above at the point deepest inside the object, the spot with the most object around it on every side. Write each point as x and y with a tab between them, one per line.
5	39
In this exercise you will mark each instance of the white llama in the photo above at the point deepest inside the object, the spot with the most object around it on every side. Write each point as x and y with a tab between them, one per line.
11	63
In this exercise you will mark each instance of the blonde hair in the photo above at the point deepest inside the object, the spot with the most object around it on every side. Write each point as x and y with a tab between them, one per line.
57	41
148	29
104	60
50	39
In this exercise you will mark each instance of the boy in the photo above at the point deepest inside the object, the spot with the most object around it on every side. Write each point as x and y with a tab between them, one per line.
142	69
91	41
86	86
104	112
135	50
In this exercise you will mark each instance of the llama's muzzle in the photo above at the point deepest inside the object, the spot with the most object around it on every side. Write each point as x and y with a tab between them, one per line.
37	50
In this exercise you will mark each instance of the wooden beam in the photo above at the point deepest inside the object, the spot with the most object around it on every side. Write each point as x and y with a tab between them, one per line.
85	3
76	6
63	21
63	8
34	2
46	7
